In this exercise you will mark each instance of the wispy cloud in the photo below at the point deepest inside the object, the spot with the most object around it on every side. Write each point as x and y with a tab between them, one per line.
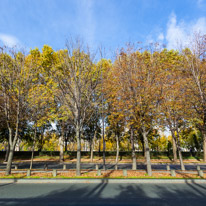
161	37
201	3
9	40
149	39
179	34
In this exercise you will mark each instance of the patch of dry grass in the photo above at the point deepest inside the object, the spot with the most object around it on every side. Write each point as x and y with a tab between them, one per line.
104	174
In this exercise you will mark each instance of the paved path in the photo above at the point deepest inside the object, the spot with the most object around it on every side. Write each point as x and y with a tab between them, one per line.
57	165
102	194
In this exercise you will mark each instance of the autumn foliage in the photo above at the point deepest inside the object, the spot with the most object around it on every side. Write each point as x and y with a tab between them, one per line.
142	92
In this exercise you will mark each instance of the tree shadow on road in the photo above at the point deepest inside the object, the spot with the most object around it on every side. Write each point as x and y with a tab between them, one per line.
109	194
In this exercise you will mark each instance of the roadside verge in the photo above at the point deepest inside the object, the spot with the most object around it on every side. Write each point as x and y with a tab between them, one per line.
103	180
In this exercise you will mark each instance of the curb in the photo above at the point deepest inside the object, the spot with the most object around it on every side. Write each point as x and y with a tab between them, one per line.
105	181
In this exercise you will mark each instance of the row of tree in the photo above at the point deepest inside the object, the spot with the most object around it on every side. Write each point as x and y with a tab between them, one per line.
140	92
190	141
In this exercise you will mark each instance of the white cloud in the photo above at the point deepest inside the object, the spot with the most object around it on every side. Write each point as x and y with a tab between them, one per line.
200	25
161	37
178	34
149	39
9	40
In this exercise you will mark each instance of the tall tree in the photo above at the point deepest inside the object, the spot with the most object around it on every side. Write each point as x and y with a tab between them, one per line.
15	81
172	100
195	70
136	89
116	128
77	78
40	98
92	130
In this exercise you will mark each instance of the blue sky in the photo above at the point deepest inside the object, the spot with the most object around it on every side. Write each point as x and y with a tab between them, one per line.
110	23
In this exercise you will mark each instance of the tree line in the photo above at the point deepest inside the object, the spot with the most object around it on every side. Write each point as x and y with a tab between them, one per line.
142	91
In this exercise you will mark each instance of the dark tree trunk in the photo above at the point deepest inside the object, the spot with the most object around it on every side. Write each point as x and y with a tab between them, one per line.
99	146
134	162
7	153
66	141
143	147
147	153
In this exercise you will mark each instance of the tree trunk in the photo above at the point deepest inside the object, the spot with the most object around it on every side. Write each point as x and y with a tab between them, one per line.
104	146
17	147
143	147
99	146
40	145
177	140
61	153
117	154
180	153
92	151
7	153
12	145
78	165
32	155
9	163
65	146
147	153
84	146
92	147
181	160
33	147
134	162
174	150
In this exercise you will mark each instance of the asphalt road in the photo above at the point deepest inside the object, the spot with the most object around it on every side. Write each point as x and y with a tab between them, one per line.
57	165
102	194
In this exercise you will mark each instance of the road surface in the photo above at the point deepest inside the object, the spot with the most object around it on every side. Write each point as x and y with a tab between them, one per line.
141	166
102	194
